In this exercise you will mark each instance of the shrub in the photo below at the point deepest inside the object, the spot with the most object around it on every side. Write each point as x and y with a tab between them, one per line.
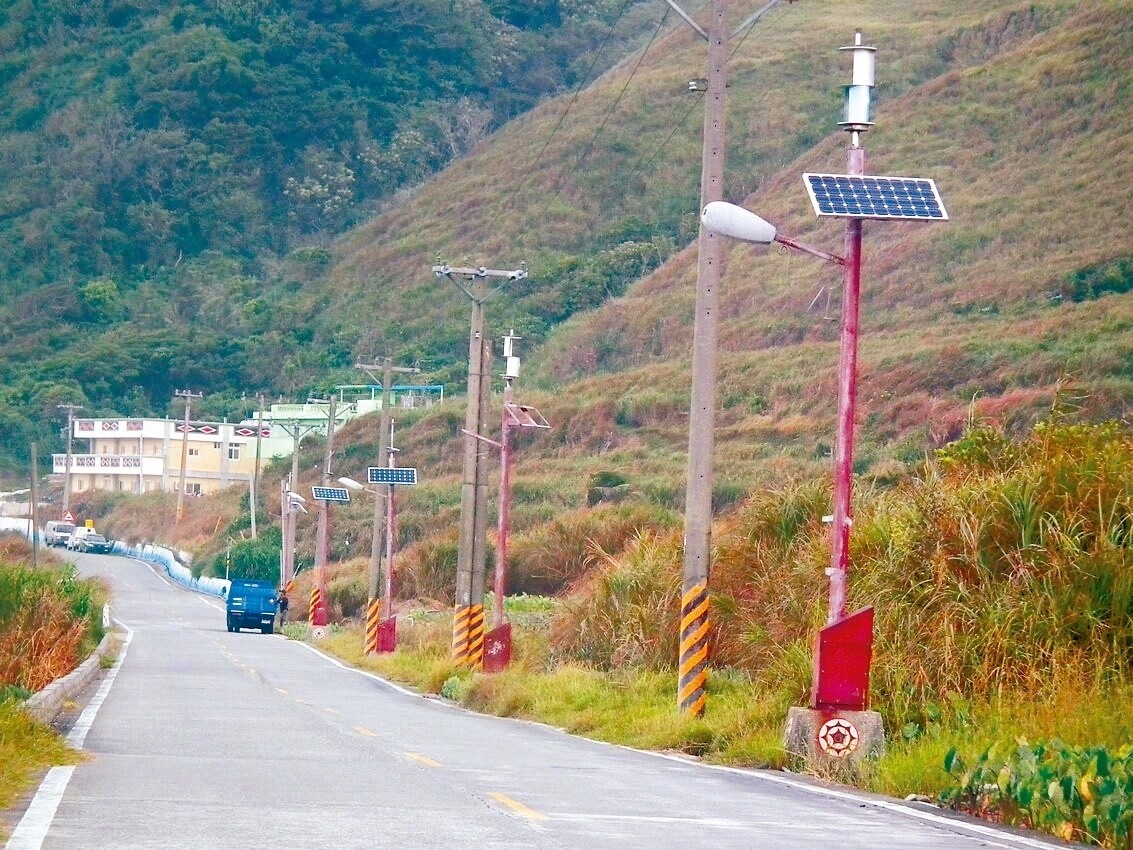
47	625
1074	793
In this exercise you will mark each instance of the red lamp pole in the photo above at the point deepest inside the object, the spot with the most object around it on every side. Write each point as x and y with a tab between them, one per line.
847	405
498	588
391	531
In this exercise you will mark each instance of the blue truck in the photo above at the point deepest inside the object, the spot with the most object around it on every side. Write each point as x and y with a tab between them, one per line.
251	604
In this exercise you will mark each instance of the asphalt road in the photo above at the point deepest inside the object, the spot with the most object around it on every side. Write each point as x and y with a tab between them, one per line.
203	739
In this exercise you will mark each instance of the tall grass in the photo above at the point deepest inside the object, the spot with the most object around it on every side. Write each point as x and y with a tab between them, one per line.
1000	572
48	623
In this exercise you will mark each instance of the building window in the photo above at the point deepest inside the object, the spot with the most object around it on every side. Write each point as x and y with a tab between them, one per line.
193	489
194	452
234	453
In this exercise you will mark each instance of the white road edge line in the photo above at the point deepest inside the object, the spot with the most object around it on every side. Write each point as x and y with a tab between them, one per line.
892	806
997	836
350	669
32	829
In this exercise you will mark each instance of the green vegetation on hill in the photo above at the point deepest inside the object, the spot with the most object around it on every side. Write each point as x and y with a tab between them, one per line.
173	172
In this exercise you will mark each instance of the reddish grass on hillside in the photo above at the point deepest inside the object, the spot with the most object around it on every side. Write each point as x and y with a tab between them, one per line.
47	618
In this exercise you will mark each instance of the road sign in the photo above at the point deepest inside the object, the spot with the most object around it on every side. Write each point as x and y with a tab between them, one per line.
68	516
330	494
391	475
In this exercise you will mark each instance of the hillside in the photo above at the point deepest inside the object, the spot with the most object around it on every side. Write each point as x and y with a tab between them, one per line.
1012	107
173	174
1016	305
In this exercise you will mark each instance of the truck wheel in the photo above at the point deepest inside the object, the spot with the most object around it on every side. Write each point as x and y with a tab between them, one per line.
268	629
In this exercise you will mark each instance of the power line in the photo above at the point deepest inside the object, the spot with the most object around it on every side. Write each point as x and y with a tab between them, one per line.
582	83
597	132
643	164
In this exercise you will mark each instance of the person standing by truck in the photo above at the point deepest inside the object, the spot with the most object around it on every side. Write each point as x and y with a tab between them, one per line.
283	603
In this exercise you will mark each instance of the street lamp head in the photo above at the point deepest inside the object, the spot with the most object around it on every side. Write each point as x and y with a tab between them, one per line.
730	220
351	484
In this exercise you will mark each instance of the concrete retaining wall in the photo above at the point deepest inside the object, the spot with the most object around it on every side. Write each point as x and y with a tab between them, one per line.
46	705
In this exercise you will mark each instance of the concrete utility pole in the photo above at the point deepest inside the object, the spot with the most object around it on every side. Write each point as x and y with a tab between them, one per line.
468	623
70	408
255	482
34	507
319	603
188	395
297	430
693	659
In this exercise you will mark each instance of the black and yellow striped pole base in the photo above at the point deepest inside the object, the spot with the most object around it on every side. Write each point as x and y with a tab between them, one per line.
691	696
468	636
373	620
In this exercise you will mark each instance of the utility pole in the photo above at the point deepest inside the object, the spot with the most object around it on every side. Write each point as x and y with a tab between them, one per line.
468	622
319	602
380	604
694	628
255	482
70	408
34	508
297	430
188	395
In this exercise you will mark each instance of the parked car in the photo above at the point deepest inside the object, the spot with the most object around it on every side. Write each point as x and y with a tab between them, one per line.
77	535
56	532
93	542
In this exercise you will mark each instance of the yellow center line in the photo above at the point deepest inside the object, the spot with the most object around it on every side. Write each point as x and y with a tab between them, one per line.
329	710
362	730
516	806
281	691
425	760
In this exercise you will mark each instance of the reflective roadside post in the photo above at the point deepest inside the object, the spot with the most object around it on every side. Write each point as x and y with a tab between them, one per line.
837	724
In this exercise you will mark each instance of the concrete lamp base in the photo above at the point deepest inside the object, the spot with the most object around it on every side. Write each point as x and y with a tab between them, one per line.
833	741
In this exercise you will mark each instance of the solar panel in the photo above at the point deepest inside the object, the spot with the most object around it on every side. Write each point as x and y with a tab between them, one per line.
854	196
391	474
330	494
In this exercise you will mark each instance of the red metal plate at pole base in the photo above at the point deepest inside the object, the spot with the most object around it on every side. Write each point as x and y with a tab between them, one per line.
497	649
387	635
842	656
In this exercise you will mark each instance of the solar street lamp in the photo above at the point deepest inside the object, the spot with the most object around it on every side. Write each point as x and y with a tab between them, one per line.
843	650
351	484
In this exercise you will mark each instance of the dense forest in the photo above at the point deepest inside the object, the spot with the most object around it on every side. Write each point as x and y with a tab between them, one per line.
173	173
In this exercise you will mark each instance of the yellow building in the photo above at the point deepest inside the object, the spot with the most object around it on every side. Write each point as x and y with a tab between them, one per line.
145	455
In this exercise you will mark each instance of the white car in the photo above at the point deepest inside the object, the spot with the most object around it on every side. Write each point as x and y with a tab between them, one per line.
76	538
57	532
